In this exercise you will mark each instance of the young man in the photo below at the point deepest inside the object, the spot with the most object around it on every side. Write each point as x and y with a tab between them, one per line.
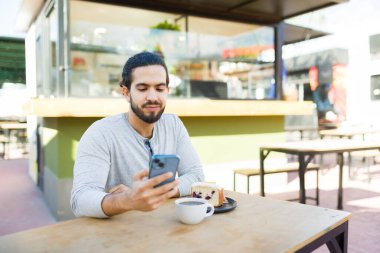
113	154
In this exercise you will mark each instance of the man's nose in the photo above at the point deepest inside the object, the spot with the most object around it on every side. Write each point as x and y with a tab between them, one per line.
152	95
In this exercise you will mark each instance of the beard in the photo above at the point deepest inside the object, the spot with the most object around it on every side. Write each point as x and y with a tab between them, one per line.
149	117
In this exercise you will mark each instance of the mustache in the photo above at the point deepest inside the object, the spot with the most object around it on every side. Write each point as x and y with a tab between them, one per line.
151	103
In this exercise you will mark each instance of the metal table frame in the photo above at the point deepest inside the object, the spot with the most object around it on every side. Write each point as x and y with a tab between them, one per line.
306	154
336	240
349	134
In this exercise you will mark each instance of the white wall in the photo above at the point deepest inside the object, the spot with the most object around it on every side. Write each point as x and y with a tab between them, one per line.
351	23
30	61
360	108
358	80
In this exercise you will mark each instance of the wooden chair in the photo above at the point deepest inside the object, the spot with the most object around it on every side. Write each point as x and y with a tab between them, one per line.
289	167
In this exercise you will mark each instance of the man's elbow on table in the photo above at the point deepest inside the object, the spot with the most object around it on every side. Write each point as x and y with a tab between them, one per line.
88	204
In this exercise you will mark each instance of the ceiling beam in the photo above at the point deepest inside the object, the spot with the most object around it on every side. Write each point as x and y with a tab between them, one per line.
179	7
241	5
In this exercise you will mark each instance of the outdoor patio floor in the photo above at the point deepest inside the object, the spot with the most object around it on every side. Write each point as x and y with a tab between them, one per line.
22	205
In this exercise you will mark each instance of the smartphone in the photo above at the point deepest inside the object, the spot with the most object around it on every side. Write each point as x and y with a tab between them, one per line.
160	164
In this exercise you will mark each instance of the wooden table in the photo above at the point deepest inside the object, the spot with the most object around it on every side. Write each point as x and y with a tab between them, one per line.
258	224
306	150
348	132
301	130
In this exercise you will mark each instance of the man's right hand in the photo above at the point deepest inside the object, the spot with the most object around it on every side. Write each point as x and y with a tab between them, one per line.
142	196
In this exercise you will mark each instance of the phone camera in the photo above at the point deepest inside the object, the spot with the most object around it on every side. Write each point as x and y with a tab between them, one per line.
156	160
161	165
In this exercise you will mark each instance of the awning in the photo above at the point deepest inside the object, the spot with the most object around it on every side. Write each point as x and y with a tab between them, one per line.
326	57
293	34
247	11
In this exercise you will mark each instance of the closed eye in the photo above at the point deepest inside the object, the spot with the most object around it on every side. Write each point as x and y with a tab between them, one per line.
161	87
144	87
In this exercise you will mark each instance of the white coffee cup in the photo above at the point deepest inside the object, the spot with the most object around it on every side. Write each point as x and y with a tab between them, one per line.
192	210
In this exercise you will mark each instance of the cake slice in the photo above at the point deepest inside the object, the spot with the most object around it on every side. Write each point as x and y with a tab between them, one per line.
213	193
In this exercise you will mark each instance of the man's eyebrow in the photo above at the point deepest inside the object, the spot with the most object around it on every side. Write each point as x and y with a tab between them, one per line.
141	84
144	84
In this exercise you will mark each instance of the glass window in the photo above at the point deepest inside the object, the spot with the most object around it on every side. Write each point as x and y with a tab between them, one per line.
375	87
53	38
39	65
374	44
205	57
46	41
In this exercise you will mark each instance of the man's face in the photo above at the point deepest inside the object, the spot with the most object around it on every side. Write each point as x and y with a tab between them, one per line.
148	92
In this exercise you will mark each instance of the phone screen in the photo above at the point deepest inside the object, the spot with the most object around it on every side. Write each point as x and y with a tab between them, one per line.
161	164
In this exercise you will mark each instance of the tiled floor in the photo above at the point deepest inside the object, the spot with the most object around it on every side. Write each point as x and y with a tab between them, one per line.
22	206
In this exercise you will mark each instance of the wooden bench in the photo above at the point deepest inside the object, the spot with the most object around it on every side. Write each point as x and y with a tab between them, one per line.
289	167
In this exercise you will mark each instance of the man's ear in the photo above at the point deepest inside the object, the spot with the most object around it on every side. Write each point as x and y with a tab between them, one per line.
126	93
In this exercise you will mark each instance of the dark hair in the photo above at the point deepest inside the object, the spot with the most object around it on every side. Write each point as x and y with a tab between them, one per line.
140	60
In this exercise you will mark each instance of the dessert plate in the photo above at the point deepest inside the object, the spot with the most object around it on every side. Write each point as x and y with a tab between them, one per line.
230	205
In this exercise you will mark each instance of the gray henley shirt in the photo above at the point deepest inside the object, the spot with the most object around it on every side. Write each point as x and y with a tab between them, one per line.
111	152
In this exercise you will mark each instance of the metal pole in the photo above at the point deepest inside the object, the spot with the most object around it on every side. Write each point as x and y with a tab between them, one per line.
66	47
302	168
340	188
278	63
262	157
60	49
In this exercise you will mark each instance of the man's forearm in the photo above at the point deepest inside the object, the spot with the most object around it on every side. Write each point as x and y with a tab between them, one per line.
114	204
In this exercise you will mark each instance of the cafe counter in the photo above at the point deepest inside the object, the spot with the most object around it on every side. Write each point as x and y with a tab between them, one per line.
79	107
222	131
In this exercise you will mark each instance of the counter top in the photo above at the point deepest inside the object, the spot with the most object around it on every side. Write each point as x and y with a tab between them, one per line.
102	107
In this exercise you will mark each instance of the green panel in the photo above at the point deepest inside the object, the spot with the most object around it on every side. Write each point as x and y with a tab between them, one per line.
60	151
217	139
12	60
206	126
50	144
13	55
12	46
228	139
11	65
221	149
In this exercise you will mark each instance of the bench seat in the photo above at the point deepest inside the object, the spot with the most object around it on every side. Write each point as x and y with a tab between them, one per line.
274	169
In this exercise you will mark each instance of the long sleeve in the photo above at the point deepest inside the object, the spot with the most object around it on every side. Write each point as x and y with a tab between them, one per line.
190	168
91	171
